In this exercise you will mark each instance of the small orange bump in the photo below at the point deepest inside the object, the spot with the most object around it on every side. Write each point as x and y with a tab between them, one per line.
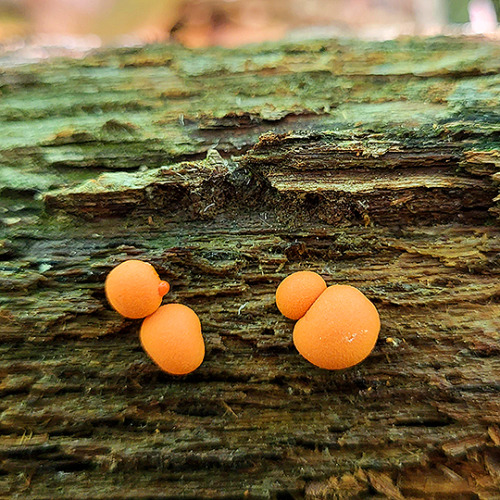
132	289
297	292
163	288
339	330
172	338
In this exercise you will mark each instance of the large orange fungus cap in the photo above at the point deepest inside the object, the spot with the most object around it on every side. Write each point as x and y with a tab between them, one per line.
173	340
339	330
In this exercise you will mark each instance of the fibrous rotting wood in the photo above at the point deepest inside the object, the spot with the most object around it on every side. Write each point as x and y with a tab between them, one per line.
373	163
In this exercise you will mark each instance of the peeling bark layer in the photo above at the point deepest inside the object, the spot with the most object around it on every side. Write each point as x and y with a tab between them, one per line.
375	164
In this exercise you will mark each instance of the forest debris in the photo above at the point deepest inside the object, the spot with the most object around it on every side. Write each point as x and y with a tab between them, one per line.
383	483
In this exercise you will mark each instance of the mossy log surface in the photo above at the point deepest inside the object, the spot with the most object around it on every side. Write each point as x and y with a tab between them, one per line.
375	164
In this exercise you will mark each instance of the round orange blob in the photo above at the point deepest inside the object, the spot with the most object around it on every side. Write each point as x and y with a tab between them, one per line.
339	330
297	292
134	289
173	340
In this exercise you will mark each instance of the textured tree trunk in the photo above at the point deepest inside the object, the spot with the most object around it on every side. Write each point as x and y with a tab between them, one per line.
374	164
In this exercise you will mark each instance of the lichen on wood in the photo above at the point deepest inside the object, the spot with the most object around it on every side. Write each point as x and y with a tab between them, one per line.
373	163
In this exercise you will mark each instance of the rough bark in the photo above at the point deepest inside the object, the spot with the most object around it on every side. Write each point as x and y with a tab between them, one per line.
375	164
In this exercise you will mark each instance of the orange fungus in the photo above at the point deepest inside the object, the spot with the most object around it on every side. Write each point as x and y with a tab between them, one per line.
134	289
339	330
173	340
297	292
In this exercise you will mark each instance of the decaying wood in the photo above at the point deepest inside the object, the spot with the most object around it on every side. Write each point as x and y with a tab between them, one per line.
375	164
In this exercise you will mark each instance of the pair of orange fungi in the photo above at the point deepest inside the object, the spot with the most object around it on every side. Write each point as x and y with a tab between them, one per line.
337	326
170	334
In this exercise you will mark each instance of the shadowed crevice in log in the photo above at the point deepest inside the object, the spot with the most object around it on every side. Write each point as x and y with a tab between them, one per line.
185	191
317	175
294	188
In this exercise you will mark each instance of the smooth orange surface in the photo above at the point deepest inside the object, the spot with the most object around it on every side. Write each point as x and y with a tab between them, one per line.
339	330
173	340
134	289
163	288
297	292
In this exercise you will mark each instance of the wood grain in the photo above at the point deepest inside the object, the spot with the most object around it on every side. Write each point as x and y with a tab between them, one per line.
374	164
